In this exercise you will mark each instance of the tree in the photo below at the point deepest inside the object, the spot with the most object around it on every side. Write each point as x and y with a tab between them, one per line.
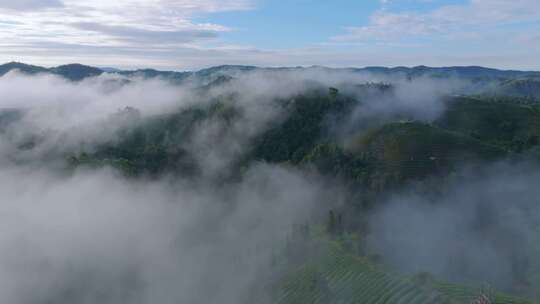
331	225
340	229
333	92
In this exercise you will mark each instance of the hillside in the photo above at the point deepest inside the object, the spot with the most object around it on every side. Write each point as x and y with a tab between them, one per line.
337	276
524	87
76	72
411	150
25	68
506	124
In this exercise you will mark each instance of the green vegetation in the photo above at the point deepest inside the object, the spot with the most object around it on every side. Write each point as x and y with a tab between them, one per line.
337	275
77	72
156	145
399	152
380	158
294	138
503	123
528	88
466	294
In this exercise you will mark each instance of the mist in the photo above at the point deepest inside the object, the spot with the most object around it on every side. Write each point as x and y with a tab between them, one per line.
479	227
61	117
95	235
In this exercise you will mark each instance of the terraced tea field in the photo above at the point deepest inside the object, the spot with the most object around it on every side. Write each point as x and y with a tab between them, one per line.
337	277
464	294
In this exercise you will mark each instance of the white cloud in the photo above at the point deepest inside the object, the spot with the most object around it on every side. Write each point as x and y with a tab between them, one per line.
385	26
29	5
121	23
445	20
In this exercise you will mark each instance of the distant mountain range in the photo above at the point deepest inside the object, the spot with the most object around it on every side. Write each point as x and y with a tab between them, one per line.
77	72
486	81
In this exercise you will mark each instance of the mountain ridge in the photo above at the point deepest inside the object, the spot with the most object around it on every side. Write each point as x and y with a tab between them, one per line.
77	71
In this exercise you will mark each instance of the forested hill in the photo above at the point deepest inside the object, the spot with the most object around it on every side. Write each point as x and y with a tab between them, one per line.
485	81
422	180
79	71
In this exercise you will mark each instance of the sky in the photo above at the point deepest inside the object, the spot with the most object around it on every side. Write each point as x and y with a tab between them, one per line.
194	34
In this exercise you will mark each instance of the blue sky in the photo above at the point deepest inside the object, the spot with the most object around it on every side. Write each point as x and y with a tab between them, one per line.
192	34
297	23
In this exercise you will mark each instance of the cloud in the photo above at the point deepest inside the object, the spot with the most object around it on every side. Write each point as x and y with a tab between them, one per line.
137	35
30	5
125	23
166	34
389	26
68	115
94	236
97	237
474	229
444	20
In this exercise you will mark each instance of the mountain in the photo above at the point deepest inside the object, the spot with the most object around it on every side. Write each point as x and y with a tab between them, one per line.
25	68
456	71
412	72
228	70
78	72
110	70
151	73
74	72
522	87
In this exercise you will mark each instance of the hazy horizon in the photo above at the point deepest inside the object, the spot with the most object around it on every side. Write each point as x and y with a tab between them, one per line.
107	67
189	35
